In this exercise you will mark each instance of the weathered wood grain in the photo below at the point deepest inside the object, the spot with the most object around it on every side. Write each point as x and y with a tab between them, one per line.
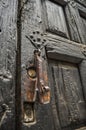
54	92
62	51
82	68
55	19
74	93
32	21
82	2
84	27
81	8
67	110
82	18
68	92
74	22
61	104
52	116
8	41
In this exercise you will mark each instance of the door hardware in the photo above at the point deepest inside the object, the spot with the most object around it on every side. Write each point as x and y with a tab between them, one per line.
29	96
36	80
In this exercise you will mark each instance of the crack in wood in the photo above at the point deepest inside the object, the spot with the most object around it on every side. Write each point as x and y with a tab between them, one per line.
23	4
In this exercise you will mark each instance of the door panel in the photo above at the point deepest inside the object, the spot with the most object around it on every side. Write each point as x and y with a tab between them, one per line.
56	22
70	104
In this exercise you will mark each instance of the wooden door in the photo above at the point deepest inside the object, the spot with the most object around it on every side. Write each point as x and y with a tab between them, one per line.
62	23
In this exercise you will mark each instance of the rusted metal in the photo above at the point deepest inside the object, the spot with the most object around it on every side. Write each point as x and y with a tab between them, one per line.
29	96
30	89
29	115
36	79
44	91
38	41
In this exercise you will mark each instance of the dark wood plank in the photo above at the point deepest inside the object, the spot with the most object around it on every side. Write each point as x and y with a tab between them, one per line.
74	93
8	41
60	96
55	19
84	26
32	21
82	68
68	95
74	22
62	51
82	19
55	114
82	2
47	116
81	8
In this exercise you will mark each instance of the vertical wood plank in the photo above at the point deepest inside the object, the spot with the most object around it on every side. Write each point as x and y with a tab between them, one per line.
32	21
82	68
54	101
8	41
74	22
67	92
60	97
84	27
74	93
55	19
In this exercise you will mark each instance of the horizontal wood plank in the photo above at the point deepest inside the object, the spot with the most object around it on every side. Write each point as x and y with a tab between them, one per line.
58	50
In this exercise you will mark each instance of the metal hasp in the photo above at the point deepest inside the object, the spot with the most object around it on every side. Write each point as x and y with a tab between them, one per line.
43	88
29	96
36	87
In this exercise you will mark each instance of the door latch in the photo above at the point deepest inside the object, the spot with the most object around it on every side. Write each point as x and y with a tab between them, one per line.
36	80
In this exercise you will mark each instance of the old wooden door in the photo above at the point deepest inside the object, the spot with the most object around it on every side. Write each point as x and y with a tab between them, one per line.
63	25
